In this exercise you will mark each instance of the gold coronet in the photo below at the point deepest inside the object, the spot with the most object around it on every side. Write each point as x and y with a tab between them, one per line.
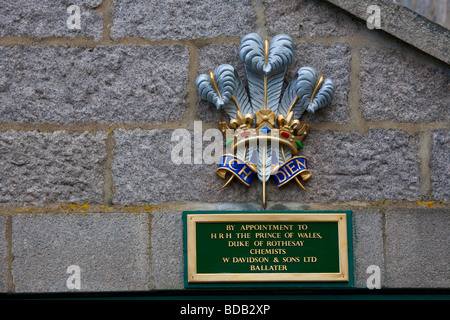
289	133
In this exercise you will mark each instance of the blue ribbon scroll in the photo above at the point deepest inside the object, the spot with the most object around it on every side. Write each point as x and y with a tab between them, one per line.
291	169
238	167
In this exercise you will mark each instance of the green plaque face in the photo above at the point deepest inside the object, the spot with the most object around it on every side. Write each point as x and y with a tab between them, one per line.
267	247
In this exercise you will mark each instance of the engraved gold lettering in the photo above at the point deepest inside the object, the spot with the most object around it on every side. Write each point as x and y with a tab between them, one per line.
232	161
246	174
267	235
285	171
284	176
288	165
284	243
300	165
250	260
238	243
267	251
269	227
242	235
275	267
291	259
309	259
221	235
309	235
225	161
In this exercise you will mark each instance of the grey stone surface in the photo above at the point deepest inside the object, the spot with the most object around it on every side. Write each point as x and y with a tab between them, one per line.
48	18
307	19
167	262
440	164
110	249
332	61
367	244
210	57
80	85
3	262
404	24
379	165
56	167
417	248
145	174
213	55
397	88
177	20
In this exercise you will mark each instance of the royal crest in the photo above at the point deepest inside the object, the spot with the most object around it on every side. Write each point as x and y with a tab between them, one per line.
264	134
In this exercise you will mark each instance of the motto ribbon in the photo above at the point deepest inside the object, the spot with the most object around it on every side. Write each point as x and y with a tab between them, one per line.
292	168
231	163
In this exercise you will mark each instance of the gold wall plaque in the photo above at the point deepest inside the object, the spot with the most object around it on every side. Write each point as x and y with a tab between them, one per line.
267	247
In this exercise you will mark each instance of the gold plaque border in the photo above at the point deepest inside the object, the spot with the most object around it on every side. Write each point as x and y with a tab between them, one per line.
194	277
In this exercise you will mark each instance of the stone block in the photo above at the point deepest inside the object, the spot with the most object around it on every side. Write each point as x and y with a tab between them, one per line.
3	251
110	249
167	263
51	167
332	61
167	247
48	18
367	244
144	172
307	19
417	248
404	24
212	56
379	165
116	84
178	20
399	89
440	165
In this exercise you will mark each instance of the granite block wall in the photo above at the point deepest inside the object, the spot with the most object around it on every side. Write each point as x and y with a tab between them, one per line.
87	117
